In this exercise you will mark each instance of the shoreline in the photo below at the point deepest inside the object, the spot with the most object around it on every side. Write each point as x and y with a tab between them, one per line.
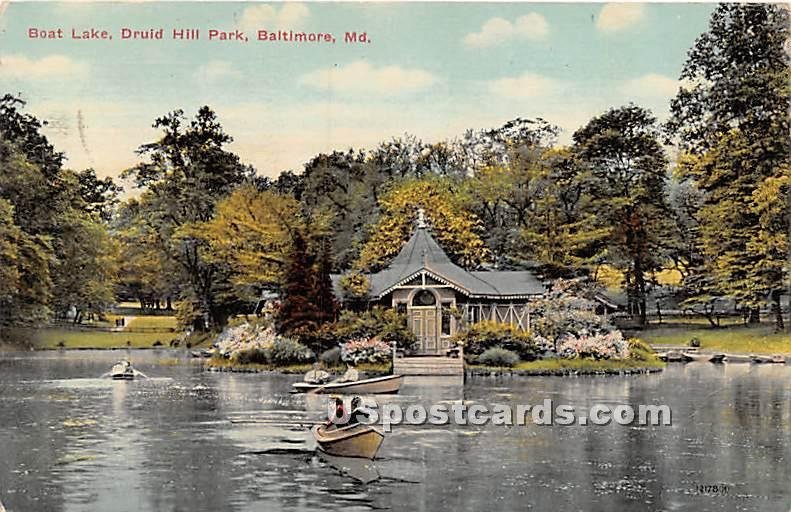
557	372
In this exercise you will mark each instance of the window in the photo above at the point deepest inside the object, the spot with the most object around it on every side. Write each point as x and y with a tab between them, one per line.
446	318
424	298
401	308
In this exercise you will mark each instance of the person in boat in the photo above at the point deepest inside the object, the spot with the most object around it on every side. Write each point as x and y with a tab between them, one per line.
356	416
351	374
317	375
339	413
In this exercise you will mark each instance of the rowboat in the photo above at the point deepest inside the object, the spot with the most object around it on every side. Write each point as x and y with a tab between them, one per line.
776	359
717	358
674	356
357	440
389	384
122	370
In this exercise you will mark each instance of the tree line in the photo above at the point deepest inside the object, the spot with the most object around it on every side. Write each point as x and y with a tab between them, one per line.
209	233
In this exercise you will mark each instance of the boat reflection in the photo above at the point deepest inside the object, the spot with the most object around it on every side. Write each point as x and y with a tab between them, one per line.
361	470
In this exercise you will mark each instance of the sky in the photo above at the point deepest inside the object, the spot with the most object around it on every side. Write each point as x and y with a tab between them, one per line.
430	69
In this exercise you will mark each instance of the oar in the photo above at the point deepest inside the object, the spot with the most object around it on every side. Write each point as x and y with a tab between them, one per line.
138	372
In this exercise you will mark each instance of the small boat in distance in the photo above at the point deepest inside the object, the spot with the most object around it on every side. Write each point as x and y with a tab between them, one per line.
357	440
389	384
122	370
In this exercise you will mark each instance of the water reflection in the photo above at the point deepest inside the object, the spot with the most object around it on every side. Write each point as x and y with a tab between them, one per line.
192	440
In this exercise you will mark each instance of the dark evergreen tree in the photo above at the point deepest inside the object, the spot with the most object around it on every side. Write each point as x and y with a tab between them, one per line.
299	310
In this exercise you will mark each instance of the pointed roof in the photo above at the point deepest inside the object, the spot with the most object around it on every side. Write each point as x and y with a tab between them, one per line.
422	253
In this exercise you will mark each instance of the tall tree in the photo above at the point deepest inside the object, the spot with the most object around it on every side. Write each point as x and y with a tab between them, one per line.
25	285
448	211
186	172
59	215
731	119
252	234
628	172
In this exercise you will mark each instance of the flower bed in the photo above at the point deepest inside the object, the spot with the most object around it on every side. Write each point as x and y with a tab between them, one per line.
365	350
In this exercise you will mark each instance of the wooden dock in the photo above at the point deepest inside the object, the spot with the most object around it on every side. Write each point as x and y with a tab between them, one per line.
429	365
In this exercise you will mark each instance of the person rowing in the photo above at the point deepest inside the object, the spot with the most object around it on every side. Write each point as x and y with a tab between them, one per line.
356	415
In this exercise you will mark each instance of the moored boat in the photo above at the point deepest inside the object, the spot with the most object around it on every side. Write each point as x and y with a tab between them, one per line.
357	440
717	358
389	384
674	356
774	359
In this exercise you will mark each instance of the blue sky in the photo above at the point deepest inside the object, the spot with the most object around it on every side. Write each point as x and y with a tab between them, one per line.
433	70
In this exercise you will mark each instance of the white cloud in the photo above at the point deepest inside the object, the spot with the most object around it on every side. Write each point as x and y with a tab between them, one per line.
651	84
496	31
360	77
615	17
217	70
526	85
289	16
19	66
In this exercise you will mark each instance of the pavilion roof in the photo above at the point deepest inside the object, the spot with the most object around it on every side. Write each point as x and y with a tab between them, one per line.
422	253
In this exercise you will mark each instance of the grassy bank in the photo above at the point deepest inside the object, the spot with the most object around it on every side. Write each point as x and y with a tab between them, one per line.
54	337
221	364
573	367
750	339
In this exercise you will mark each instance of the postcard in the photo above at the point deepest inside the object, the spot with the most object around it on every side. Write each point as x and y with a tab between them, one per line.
394	255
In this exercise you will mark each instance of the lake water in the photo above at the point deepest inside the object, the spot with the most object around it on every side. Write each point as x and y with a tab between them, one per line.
190	440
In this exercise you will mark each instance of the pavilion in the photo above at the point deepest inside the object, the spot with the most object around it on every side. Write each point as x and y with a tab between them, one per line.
438	297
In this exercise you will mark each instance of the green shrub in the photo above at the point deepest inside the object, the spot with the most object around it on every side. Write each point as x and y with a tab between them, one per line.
384	324
331	357
497	356
289	351
640	350
485	335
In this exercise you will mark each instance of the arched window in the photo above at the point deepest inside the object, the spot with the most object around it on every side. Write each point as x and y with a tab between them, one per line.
424	298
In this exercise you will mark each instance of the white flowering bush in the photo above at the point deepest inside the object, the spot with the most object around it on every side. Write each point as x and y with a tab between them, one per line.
365	350
245	337
260	343
610	345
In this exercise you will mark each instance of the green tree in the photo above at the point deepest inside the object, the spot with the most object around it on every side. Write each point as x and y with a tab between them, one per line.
447	209
252	234
185	173
25	285
731	121
628	172
85	275
55	210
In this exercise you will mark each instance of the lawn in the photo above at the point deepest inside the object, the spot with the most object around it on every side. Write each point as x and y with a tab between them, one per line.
588	364
153	322
51	337
751	339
